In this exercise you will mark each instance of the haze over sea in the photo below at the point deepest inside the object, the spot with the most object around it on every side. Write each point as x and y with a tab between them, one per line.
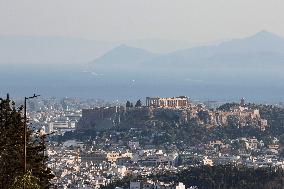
71	81
250	67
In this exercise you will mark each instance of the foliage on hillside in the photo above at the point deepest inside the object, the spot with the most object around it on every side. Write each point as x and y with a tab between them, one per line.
216	177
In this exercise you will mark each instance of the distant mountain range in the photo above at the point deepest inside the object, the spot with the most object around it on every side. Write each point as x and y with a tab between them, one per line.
261	48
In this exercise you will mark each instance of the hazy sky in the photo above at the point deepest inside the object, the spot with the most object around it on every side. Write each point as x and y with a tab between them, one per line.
114	20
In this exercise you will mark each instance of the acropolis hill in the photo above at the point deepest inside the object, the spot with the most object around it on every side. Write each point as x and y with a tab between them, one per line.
178	109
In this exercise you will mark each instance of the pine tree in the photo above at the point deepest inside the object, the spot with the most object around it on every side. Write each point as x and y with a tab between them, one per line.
128	104
12	127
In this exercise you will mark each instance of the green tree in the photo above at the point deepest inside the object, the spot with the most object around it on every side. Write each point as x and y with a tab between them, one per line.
12	127
138	103
27	180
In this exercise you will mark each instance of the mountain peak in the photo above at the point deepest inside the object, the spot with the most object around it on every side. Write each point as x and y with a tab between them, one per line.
123	46
265	35
124	55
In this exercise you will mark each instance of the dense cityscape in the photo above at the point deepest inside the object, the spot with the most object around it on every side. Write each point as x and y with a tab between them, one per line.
93	143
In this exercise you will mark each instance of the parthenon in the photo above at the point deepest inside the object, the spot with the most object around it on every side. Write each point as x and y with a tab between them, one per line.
174	102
